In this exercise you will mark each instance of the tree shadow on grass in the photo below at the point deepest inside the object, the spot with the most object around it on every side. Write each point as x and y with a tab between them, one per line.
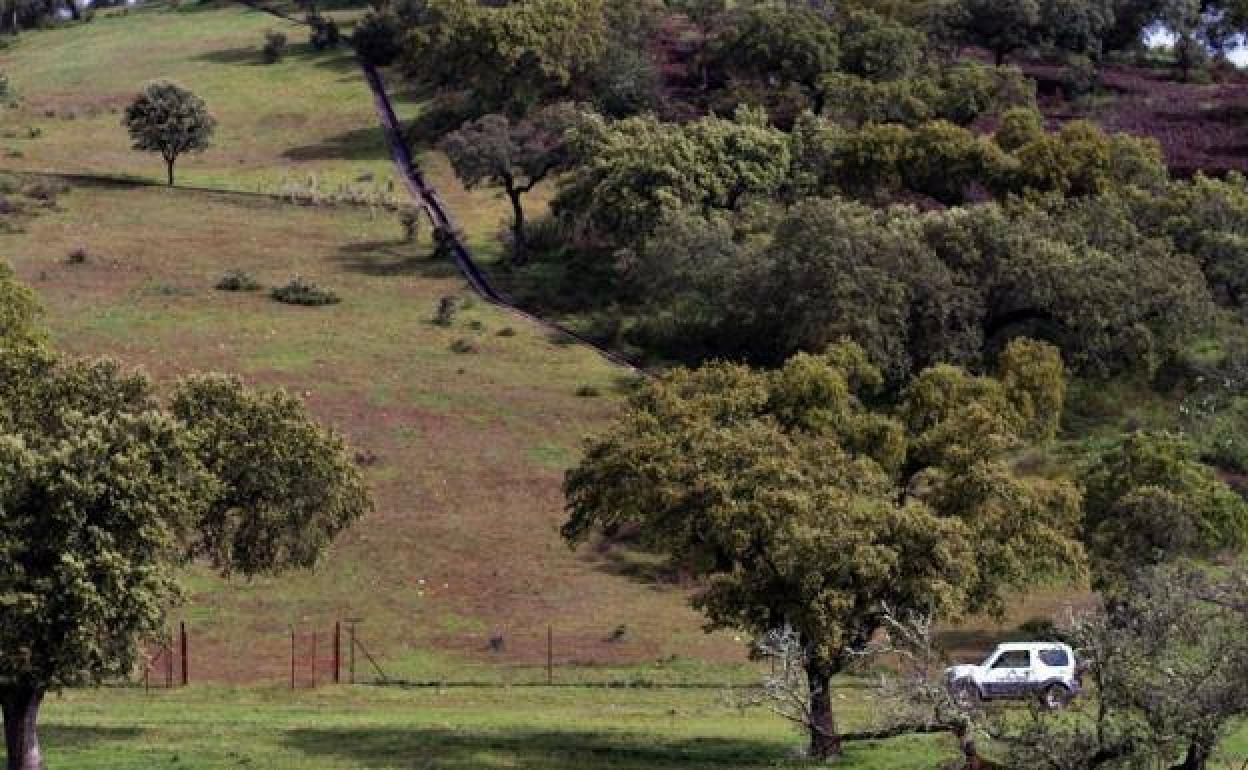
249	55
72	737
388	258
451	749
357	144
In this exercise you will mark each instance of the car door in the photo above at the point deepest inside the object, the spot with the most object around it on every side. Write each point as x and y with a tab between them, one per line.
1009	674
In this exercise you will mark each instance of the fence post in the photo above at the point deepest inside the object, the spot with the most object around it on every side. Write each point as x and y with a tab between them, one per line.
186	675
292	657
337	651
351	628
313	660
550	655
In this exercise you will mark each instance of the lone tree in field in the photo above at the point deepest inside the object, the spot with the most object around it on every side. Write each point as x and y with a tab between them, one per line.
167	118
104	494
515	156
800	506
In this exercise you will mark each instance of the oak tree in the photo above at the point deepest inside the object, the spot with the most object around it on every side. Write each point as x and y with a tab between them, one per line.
104	494
168	119
799	505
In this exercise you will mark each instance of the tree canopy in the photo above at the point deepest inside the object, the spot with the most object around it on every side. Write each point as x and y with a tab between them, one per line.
799	504
104	493
167	118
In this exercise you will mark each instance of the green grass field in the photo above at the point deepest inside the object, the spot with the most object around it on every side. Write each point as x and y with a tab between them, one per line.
364	727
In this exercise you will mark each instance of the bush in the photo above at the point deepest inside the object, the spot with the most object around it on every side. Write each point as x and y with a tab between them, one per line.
1080	78
447	308
506	331
377	38
4	85
324	32
237	280
588	391
77	256
463	346
300	292
274	46
409	218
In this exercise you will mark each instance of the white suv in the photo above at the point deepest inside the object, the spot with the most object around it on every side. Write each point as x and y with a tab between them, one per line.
1020	670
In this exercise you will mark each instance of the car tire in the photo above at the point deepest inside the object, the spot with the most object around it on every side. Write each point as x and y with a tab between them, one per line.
1056	697
966	693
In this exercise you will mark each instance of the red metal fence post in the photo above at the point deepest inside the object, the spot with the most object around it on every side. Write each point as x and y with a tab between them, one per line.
186	676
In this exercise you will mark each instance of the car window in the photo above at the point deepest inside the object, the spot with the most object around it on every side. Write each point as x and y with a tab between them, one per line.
1054	657
1013	659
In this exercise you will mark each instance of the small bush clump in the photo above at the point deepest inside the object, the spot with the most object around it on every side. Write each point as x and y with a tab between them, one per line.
324	32
506	331
77	256
274	46
447	308
300	292
588	391
464	345
409	218
237	280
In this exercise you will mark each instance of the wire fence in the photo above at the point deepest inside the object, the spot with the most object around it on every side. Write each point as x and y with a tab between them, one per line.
341	654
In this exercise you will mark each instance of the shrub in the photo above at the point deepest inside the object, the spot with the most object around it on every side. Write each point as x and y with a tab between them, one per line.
588	391
447	308
377	38
506	331
77	256
324	32
300	292
4	85
274	46
1080	78
464	345
34	132
237	280
409	218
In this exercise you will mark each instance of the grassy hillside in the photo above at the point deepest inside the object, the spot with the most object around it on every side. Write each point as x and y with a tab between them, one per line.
469	448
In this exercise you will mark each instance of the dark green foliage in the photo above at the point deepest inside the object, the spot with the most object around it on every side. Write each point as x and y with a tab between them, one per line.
447	308
324	33
377	38
301	292
1150	501
288	485
801	506
769	44
915	289
168	119
879	49
19	312
463	345
274	46
237	280
632	170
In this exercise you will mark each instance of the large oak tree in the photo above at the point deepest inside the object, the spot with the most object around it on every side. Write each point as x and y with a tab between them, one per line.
104	494
798	503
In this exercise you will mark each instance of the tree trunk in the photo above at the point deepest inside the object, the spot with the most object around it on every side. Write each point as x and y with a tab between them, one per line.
75	12
21	711
825	743
519	245
169	167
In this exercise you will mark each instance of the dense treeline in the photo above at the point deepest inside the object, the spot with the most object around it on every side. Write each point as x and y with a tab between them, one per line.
815	171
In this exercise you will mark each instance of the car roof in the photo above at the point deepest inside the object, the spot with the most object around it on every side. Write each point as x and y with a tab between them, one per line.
1032	646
